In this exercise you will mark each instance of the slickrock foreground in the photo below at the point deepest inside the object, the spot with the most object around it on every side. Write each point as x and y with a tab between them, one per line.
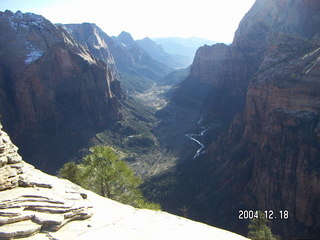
35	205
31	201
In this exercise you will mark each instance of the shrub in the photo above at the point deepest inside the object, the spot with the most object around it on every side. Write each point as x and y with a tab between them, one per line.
104	173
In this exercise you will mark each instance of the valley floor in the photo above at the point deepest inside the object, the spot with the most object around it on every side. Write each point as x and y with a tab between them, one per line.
154	97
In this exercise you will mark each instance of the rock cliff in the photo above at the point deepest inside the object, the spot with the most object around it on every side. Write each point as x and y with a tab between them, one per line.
269	159
53	90
131	58
34	205
266	83
122	52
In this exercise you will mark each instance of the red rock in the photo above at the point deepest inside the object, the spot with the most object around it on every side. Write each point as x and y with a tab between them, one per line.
53	89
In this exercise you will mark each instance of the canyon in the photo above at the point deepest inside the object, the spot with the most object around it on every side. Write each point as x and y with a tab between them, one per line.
239	131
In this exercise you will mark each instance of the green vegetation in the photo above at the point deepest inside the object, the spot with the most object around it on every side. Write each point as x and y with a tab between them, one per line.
104	173
134	82
134	141
259	229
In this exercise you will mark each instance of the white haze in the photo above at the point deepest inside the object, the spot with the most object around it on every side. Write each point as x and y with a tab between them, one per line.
212	19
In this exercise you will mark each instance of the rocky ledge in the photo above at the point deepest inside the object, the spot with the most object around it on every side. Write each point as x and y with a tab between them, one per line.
32	202
35	205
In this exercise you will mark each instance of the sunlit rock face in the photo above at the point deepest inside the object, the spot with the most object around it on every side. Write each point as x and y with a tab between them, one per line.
269	157
34	205
33	202
94	39
52	88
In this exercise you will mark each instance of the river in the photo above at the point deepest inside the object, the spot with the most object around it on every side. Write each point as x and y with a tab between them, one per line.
192	136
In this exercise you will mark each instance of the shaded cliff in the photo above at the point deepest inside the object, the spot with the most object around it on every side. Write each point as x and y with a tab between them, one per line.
263	89
54	92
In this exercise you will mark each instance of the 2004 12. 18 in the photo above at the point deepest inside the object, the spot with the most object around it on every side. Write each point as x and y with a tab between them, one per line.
269	214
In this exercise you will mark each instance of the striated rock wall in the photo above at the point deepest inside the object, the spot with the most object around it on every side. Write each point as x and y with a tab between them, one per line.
9	159
53	90
30	202
281	129
269	159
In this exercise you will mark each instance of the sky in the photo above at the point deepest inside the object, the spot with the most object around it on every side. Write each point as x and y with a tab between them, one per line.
216	20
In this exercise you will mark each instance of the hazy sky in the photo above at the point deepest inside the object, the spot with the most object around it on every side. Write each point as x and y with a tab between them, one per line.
212	19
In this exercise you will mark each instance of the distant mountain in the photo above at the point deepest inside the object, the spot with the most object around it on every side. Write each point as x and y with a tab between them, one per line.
136	59
137	67
157	52
138	70
185	47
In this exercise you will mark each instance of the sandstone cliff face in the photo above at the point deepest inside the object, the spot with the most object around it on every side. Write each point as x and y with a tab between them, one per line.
223	72
284	137
267	18
34	205
269	158
274	143
51	86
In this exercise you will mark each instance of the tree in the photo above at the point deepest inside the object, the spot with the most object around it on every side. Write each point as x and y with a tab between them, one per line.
71	171
104	173
259	229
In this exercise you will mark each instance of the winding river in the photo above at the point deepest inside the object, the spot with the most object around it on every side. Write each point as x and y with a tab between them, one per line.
192	136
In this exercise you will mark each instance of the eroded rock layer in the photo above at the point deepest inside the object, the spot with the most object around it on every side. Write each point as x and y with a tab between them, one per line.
30	202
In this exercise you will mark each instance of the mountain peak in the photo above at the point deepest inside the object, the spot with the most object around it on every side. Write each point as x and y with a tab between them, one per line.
125	38
19	19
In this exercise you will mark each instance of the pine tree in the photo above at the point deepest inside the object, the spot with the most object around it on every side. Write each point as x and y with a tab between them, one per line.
104	173
259	229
